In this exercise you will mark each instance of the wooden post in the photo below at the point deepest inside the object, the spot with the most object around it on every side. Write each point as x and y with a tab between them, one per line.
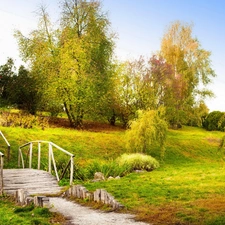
64	171
19	157
39	155
1	168
54	164
21	154
49	157
30	160
71	170
8	157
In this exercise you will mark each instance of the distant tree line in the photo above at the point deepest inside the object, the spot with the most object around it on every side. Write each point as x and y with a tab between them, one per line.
72	67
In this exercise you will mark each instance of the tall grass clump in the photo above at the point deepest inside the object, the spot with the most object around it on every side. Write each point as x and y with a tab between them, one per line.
108	168
138	161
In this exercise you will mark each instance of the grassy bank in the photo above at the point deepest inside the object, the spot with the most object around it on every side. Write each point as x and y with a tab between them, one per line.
188	188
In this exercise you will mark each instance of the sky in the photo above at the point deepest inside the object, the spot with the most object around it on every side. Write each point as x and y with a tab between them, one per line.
139	26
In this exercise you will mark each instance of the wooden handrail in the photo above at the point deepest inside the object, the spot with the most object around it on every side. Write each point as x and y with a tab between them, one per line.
1	172
51	158
8	145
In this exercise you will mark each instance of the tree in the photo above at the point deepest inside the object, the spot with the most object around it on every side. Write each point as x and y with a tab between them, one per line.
41	53
198	114
134	89
127	84
149	129
159	78
86	21
7	75
72	63
191	69
23	91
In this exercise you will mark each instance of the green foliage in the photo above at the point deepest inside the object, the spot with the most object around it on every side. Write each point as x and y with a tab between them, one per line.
7	76
138	161
71	63
198	115
148	129
133	90
23	91
72	69
215	121
18	89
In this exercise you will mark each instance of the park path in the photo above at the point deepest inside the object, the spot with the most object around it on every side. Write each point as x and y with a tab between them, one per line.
81	215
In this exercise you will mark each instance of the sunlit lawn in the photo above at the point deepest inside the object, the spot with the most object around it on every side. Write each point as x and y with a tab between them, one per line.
189	194
188	188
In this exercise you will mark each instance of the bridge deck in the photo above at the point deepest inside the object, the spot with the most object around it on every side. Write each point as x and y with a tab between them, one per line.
36	182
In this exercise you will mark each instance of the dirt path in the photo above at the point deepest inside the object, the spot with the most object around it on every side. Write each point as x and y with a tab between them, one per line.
80	215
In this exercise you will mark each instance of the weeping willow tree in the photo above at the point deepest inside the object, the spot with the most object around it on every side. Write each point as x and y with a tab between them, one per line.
73	61
148	130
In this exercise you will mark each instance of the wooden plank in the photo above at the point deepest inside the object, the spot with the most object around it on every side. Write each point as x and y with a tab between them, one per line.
34	181
7	184
52	189
29	178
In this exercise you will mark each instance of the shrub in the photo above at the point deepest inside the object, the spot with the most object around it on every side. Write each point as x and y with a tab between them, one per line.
137	161
215	121
23	120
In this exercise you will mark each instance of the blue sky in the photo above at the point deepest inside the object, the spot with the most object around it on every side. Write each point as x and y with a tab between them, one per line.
139	25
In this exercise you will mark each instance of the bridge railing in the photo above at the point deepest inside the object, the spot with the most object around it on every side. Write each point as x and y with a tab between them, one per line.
8	145
1	172
51	158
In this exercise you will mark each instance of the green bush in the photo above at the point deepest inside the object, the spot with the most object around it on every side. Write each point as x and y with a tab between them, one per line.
215	121
138	161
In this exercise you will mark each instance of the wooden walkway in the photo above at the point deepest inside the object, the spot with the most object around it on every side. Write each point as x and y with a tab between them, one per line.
36	182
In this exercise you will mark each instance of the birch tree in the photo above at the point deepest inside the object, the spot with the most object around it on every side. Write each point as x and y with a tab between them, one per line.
192	70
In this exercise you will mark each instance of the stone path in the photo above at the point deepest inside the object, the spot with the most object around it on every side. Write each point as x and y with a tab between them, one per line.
80	215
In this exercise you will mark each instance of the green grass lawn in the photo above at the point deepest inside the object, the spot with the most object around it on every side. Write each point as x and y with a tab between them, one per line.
11	214
188	188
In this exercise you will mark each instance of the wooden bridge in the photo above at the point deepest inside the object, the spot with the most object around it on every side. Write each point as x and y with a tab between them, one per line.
35	181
